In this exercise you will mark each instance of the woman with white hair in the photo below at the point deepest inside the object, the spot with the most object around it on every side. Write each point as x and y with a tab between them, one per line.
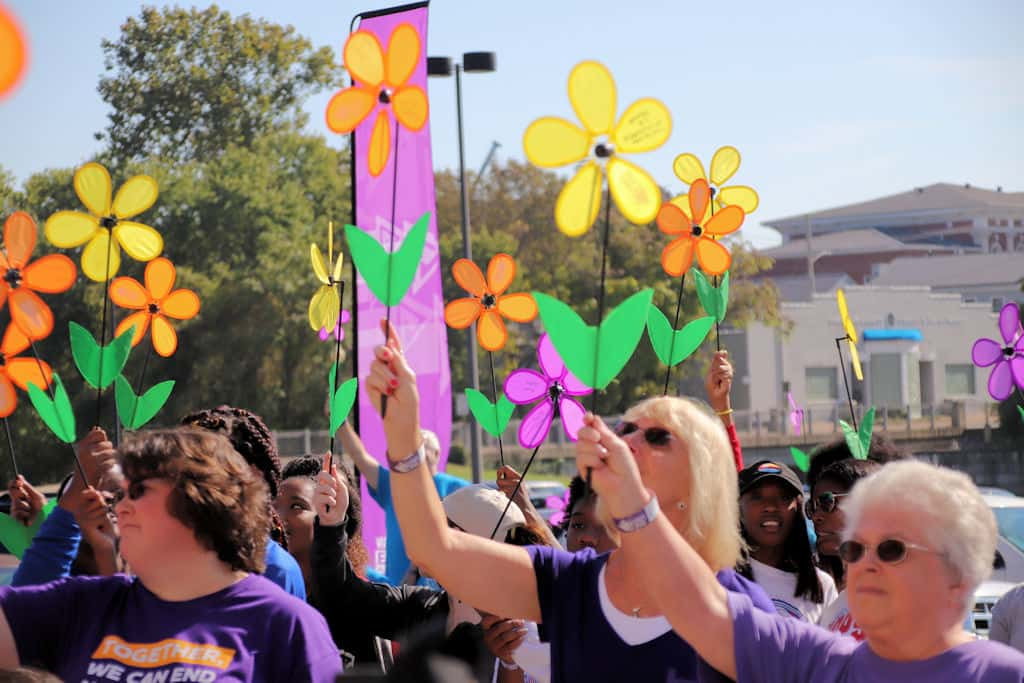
918	541
594	609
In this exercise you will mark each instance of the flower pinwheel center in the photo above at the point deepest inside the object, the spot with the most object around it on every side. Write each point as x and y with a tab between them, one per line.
696	230
604	150
13	277
153	309
108	222
385	96
555	391
488	300
1009	352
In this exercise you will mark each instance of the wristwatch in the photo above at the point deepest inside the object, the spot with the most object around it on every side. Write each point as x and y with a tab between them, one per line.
410	463
640	519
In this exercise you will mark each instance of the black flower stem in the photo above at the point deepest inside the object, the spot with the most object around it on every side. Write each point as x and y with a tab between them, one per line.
675	324
10	445
494	398
846	381
103	331
391	251
515	491
337	362
142	379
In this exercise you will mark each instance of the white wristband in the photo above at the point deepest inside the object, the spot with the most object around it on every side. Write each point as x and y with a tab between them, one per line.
410	463
639	520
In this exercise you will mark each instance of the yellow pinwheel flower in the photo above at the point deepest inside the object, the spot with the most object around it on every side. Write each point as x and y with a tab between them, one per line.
325	306
551	142
105	230
724	164
851	333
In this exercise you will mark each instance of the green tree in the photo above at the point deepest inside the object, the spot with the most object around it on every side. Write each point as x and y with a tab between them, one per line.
186	84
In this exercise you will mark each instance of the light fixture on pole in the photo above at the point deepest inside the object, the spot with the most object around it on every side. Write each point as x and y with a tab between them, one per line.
472	62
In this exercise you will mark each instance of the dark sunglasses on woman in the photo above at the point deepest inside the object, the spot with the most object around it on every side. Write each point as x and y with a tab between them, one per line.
890	551
654	436
828	502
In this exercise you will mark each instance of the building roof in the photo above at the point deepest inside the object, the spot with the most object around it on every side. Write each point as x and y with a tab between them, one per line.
798	287
961	270
936	197
866	241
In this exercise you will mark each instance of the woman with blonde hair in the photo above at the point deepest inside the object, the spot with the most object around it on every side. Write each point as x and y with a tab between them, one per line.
593	609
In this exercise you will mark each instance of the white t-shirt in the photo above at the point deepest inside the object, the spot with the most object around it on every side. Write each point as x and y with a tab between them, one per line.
837	618
633	630
780	586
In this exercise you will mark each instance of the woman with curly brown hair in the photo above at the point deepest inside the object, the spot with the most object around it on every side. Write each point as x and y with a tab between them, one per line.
254	442
194	528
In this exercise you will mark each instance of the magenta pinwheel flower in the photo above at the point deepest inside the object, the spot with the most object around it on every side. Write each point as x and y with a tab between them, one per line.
554	388
339	330
1008	357
561	506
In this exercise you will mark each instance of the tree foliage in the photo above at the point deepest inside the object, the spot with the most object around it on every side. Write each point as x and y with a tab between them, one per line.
209	105
186	84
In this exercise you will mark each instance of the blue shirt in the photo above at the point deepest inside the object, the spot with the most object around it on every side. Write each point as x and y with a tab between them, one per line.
283	570
397	563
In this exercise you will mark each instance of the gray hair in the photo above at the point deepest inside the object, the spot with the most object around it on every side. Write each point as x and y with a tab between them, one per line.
961	526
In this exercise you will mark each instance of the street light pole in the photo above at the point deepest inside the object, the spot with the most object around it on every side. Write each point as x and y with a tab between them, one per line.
442	66
472	366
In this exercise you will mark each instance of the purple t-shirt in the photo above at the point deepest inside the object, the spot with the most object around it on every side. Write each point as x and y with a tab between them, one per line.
101	629
772	648
584	646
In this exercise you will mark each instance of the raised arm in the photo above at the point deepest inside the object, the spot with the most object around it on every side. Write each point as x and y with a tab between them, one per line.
718	384
352	445
353	606
679	582
467	566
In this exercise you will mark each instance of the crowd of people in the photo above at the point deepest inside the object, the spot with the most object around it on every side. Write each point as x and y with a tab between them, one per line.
191	554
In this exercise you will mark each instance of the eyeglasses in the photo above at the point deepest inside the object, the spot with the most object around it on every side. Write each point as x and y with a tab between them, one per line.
890	551
828	502
654	436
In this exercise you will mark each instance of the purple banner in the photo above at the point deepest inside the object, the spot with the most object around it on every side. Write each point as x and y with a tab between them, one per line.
419	319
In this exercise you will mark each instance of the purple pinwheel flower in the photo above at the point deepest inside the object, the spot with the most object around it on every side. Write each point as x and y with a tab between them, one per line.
339	331
561	505
1007	357
554	389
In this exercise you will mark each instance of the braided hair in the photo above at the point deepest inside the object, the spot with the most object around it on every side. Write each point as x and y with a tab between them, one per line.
253	441
308	466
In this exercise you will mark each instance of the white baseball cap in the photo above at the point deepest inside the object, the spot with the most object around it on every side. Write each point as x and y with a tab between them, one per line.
477	508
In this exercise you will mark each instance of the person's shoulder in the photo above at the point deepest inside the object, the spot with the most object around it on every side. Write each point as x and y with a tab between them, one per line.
447	483
101	589
994	656
560	561
736	583
260	593
280	558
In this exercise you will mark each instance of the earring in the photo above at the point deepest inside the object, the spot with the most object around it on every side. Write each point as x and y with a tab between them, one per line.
681	505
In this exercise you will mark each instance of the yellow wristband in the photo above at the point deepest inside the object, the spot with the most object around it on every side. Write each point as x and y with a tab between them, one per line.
723	413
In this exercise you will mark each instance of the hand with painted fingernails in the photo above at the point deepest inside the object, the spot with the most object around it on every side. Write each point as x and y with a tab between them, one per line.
612	467
330	497
391	376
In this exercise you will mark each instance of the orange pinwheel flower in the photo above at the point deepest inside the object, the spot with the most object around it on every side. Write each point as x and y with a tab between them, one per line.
50	274
17	371
697	234
155	303
380	78
488	302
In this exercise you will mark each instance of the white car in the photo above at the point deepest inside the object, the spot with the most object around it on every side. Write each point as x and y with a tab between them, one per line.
1009	560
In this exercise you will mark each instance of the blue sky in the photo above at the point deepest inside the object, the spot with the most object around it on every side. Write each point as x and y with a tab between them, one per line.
830	103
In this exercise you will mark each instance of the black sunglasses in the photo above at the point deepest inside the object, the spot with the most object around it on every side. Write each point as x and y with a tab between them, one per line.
828	502
890	551
655	436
